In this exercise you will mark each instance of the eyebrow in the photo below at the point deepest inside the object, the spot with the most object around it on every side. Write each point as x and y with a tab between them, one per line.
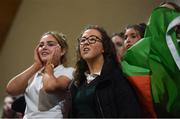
90	36
133	34
49	42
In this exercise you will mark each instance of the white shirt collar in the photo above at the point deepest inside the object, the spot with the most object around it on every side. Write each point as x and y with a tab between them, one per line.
91	77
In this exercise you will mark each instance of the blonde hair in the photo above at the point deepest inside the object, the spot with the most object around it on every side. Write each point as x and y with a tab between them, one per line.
61	39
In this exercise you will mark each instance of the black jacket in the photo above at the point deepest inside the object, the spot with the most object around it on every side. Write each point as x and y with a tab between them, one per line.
114	96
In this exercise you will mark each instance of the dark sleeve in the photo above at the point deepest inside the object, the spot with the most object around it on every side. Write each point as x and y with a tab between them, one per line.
72	88
126	98
19	105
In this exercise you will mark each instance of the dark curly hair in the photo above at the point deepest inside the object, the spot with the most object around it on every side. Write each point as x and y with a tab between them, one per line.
109	52
138	27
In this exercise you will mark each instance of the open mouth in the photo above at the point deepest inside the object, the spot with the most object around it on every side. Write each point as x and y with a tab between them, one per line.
86	49
44	53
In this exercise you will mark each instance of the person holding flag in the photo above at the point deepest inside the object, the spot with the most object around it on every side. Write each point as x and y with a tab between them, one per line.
152	65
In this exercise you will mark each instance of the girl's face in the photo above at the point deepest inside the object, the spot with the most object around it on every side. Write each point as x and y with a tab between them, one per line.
131	37
49	48
7	103
91	45
119	45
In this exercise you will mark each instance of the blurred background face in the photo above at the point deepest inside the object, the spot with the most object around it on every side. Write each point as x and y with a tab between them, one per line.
7	103
118	41
8	112
91	45
47	45
119	45
131	37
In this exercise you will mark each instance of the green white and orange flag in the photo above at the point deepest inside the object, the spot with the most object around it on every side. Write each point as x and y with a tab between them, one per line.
152	65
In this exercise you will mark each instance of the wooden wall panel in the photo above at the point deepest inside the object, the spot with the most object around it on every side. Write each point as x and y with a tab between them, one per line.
8	9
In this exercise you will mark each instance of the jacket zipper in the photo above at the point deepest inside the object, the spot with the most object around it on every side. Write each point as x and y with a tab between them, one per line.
100	107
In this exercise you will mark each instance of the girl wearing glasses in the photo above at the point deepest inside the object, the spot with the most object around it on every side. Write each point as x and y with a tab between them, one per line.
45	82
99	89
